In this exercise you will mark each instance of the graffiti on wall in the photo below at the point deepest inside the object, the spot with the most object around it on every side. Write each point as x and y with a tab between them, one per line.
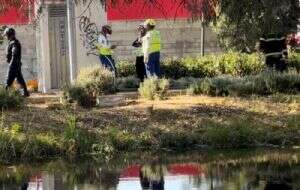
62	38
89	34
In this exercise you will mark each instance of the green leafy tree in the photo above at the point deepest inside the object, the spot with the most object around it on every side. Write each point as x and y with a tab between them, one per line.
240	23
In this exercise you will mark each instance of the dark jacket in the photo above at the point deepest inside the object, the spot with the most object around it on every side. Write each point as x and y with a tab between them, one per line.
14	52
273	44
137	43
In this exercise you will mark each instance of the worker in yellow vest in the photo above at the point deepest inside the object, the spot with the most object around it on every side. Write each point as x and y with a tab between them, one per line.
151	48
105	48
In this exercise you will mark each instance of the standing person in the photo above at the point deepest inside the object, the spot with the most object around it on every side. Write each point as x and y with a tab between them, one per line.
274	47
105	48
151	48
13	56
24	186
139	63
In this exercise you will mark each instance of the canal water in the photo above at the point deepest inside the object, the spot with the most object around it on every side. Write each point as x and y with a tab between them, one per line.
226	170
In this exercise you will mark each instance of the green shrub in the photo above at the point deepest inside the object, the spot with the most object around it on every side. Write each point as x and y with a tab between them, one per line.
199	67
154	88
202	87
174	68
10	99
96	80
79	95
262	84
75	141
251	64
126	83
230	63
182	83
122	140
178	140
237	135
294	61
125	68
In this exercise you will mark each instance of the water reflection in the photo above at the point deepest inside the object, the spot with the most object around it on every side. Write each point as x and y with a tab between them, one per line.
152	177
197	171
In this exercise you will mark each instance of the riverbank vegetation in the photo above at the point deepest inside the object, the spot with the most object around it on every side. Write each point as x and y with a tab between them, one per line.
178	123
10	99
244	109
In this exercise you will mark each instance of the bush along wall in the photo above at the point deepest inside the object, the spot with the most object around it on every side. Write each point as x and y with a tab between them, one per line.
231	63
266	83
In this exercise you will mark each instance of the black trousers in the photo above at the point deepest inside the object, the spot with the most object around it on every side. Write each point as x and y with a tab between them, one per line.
140	68
15	72
278	62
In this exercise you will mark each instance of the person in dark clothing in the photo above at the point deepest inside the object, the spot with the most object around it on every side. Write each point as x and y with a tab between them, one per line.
139	63
24	186
14	54
274	47
277	186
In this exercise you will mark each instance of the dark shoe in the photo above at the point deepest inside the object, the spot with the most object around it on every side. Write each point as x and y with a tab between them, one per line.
26	94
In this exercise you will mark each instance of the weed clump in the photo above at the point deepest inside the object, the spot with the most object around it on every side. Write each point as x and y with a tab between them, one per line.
10	99
154	88
96	80
80	96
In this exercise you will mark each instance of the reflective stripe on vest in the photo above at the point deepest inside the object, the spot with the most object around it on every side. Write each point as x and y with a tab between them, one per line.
272	39
155	41
277	54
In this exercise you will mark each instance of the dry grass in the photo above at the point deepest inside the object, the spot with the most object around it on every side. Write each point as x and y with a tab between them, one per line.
180	122
178	111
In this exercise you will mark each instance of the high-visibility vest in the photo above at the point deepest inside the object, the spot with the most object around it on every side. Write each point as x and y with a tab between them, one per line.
103	50
155	41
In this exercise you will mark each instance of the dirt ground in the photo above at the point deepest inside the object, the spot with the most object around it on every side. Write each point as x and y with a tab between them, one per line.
177	112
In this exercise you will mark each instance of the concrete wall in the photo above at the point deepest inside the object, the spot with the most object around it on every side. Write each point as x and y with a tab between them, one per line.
179	38
88	23
26	35
85	22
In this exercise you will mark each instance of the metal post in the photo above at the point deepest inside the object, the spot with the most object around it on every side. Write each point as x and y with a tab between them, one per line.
202	35
71	41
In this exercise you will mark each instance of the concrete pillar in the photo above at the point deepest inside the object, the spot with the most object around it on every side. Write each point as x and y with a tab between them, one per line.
43	54
95	17
71	41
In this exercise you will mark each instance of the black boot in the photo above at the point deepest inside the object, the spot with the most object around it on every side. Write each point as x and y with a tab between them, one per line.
26	93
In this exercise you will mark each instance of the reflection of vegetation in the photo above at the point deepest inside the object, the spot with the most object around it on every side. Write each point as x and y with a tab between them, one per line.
233	170
256	170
